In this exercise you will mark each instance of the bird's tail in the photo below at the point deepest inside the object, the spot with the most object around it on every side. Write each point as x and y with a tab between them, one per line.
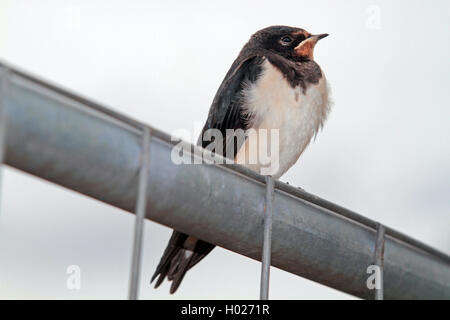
181	254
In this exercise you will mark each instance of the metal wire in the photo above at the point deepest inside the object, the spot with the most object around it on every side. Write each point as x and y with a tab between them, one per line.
267	244
379	260
4	79
141	202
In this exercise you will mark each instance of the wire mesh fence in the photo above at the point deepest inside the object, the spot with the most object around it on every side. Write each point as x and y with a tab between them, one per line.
126	163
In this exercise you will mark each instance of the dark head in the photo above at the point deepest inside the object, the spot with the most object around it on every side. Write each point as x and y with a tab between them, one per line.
292	43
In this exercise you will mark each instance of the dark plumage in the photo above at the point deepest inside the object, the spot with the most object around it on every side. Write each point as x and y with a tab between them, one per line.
280	46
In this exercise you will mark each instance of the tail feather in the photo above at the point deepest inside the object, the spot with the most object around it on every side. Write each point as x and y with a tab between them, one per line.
201	250
160	280
175	264
182	266
177	259
175	244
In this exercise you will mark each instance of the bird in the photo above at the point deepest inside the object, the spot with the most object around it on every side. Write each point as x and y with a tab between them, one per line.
274	83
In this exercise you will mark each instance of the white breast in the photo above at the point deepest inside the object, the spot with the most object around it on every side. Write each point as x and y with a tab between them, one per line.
274	104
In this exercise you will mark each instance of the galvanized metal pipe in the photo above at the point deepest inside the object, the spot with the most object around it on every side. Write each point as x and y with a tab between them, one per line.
267	241
83	146
140	216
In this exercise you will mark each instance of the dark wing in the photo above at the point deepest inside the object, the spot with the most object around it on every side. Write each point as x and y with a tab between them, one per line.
225	113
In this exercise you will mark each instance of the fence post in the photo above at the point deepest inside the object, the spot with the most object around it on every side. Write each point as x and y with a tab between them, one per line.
267	242
379	260
141	201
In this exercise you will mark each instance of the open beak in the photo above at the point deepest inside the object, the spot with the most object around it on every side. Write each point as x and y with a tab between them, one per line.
306	48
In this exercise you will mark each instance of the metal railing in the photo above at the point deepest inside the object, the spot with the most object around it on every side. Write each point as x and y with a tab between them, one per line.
81	145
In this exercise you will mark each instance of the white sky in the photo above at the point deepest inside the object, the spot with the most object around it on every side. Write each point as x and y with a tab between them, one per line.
384	152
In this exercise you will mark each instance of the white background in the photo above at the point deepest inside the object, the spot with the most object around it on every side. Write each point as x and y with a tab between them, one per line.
384	151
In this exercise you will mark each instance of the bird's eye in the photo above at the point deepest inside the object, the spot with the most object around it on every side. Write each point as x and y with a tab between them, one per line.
286	40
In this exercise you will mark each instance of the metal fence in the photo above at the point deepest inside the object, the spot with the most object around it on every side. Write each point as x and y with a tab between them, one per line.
81	145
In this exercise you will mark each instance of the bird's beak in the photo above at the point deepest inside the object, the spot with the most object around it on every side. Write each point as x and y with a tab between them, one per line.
320	36
306	48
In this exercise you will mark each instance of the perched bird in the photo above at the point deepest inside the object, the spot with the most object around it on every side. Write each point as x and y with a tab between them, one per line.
273	84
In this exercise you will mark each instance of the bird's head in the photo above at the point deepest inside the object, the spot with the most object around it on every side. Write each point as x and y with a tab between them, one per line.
292	43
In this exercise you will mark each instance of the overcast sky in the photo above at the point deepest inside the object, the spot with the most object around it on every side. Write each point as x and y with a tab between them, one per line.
384	152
